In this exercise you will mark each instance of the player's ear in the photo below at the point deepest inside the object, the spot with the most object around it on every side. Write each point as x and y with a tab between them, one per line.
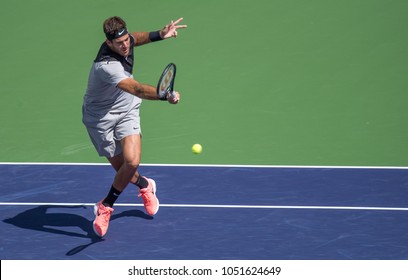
109	42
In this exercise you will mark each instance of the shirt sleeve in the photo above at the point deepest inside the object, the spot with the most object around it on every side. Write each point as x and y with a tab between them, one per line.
112	72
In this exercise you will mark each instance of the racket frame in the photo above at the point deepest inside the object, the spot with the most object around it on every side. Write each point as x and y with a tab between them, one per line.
169	86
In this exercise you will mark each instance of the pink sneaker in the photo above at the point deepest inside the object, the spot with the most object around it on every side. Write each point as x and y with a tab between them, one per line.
101	222
150	201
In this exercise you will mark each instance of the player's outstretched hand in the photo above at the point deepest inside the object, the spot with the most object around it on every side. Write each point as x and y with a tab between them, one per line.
170	30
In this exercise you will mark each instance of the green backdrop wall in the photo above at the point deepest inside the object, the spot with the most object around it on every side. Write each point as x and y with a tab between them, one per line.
263	82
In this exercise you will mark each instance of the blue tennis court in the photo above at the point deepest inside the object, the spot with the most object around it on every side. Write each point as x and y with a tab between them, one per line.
207	212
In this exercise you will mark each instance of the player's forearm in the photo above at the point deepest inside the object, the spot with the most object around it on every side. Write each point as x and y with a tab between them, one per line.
140	90
146	92
142	38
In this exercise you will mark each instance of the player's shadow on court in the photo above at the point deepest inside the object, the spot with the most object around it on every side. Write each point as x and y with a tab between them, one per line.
38	219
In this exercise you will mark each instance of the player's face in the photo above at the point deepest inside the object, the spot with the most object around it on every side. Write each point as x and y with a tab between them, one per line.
121	45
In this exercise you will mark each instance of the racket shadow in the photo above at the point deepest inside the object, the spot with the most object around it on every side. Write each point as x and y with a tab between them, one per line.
38	219
96	239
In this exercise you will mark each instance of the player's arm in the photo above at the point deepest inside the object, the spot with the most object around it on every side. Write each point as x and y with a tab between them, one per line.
144	91
140	90
168	31
141	38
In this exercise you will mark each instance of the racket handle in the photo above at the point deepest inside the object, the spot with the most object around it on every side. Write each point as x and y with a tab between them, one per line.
172	93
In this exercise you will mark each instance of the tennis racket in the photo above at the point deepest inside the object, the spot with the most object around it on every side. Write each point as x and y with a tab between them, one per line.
166	82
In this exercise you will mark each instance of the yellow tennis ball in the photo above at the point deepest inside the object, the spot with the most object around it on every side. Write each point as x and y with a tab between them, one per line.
197	148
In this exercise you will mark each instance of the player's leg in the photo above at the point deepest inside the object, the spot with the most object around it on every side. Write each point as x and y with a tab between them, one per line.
126	165
117	162
102	140
127	162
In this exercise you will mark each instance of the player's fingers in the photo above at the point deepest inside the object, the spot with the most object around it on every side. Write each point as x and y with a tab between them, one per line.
174	98
181	26
177	21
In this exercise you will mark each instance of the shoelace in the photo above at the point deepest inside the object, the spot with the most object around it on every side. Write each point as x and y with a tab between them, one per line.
105	213
145	196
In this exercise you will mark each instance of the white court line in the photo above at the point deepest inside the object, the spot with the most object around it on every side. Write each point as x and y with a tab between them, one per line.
211	165
215	206
209	205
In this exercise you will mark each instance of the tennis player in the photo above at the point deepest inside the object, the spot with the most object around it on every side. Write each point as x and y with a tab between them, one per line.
110	113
